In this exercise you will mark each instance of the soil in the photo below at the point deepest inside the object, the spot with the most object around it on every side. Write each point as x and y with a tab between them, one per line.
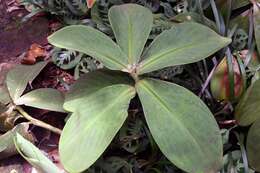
16	36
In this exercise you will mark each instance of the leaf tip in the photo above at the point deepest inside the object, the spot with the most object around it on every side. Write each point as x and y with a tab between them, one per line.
90	3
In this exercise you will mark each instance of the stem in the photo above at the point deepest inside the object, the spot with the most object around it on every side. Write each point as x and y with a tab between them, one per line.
37	122
135	77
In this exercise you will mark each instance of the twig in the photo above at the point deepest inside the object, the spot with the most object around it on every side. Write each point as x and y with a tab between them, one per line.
206	83
37	122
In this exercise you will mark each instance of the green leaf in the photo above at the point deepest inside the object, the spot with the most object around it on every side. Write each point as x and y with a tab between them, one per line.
183	44
131	24
33	155
4	95
182	126
257	25
248	110
99	110
18	78
92	82
91	42
7	147
43	98
253	145
239	3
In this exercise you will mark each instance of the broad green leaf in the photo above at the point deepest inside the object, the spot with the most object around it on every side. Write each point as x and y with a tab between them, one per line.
4	95
92	82
99	108
248	110
43	98
253	145
182	126
18	78
91	42
7	147
131	24
93	126
183	44
257	25
33	155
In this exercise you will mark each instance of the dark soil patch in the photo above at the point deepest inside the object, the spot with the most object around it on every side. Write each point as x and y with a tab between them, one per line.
16	37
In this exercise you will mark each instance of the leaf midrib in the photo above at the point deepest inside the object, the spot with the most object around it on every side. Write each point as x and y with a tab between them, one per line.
130	41
105	56
107	108
165	106
154	59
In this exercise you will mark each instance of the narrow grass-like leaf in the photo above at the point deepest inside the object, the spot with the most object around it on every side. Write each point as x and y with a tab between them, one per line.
182	126
253	145
43	98
18	78
92	42
248	110
33	155
183	44
131	24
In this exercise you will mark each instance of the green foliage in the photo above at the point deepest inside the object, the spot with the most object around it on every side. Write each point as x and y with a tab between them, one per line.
16	82
246	111
91	42
233	162
133	136
239	39
69	59
18	78
5	97
253	145
69	11
86	64
66	59
33	155
131	34
41	98
15	138
257	25
181	45
171	110
99	100
7	146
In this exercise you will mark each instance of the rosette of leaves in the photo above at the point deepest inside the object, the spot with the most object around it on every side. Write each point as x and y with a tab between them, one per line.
17	80
180	123
11	96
